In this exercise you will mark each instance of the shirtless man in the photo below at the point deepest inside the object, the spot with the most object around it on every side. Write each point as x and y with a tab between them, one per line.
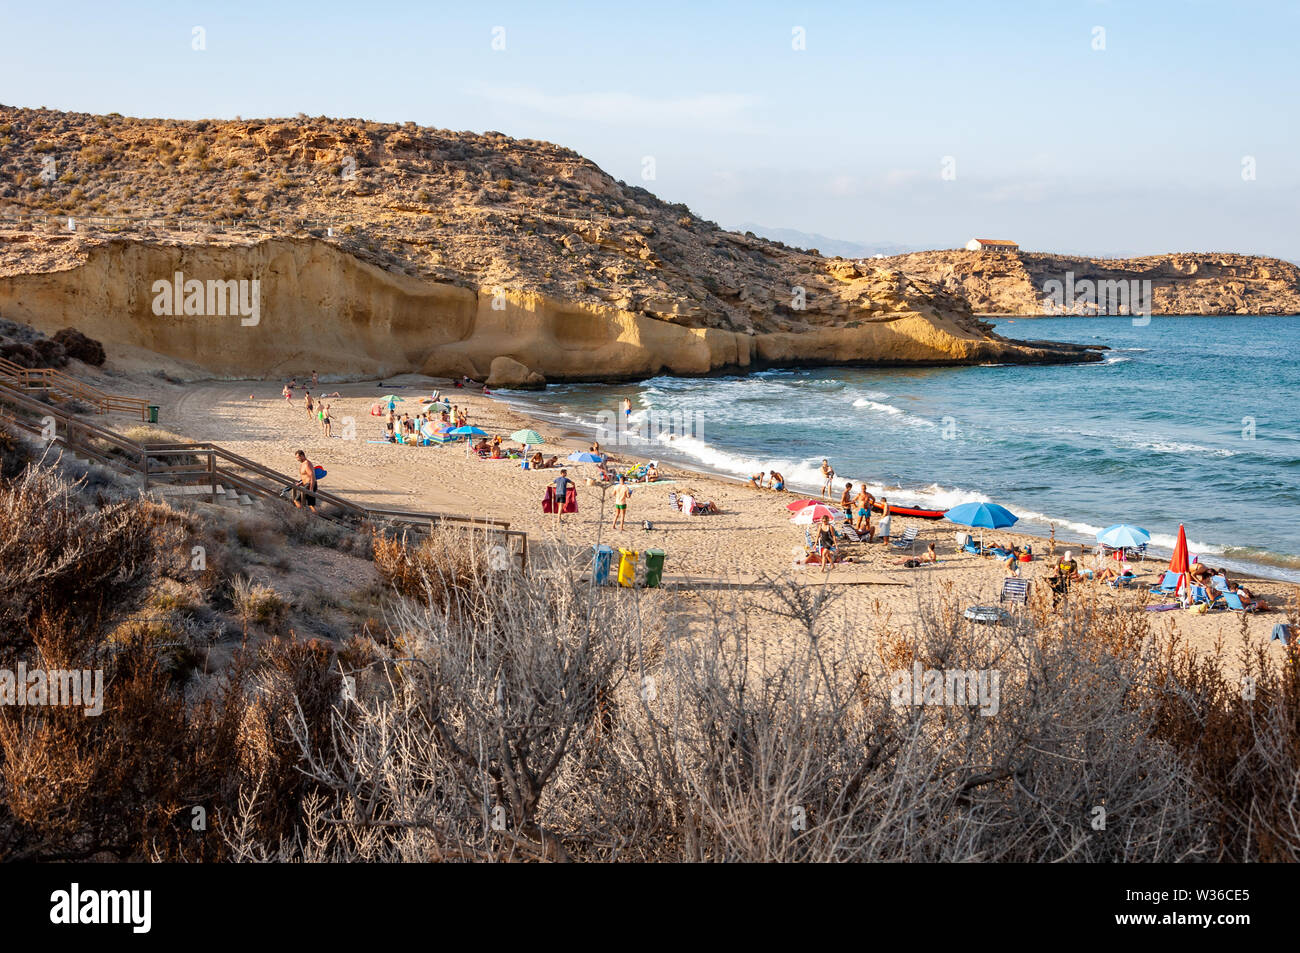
305	491
621	494
778	481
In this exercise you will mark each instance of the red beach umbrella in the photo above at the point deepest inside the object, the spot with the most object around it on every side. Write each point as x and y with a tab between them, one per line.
1179	562
797	505
814	513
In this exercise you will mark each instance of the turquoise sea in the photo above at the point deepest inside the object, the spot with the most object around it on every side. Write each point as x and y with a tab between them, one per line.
1193	420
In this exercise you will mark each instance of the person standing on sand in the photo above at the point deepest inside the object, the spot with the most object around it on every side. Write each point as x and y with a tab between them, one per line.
305	491
287	394
622	492
325	419
562	483
825	543
306	402
863	514
828	480
883	531
846	498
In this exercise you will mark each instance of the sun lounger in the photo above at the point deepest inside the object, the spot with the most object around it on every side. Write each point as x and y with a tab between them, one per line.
1201	594
851	534
1014	591
1168	584
1236	605
907	540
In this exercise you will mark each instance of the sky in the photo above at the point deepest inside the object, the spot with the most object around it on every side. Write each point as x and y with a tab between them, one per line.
1078	126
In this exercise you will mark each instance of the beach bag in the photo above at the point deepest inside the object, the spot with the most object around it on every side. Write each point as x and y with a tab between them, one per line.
376	411
548	500
571	499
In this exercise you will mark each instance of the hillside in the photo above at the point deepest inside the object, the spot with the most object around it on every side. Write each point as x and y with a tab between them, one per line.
390	248
1181	283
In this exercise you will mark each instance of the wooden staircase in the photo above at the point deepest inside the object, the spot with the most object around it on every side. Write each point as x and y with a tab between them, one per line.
56	385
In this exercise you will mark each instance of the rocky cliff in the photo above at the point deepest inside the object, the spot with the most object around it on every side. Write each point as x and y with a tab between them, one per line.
1181	283
386	248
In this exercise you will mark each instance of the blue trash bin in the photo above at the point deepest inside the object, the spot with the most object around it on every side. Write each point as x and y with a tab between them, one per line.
602	561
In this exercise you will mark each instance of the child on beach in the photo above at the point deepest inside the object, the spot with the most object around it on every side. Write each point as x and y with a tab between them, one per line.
846	498
828	480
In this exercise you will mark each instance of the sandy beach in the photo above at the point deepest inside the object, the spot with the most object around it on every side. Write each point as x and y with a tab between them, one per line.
751	536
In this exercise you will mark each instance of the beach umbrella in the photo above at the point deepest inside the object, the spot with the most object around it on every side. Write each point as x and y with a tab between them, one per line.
1122	536
585	457
1178	562
392	399
814	513
797	505
982	515
468	432
530	437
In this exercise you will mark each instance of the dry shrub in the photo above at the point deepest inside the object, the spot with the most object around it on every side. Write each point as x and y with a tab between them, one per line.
443	566
59	553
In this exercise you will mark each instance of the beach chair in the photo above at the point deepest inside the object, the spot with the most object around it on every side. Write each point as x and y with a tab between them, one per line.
808	541
907	540
1200	594
851	534
1015	591
1219	582
674	501
1236	605
972	548
1168	584
1136	552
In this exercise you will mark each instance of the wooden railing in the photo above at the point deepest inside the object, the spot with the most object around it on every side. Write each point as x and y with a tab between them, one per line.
212	465
66	387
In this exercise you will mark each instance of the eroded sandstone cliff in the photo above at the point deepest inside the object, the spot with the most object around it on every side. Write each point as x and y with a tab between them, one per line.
382	248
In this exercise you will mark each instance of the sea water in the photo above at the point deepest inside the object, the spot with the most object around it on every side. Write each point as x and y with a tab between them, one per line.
1192	420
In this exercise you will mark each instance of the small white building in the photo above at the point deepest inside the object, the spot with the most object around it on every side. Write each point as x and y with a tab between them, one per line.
991	244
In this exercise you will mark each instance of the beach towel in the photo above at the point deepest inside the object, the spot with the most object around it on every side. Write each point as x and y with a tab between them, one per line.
571	499
548	500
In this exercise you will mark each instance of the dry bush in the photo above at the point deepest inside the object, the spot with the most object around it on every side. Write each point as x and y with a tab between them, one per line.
60	553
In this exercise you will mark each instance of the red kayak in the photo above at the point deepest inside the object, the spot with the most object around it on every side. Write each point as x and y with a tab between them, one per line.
910	511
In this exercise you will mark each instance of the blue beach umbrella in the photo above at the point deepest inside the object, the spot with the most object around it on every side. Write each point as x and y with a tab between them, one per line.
982	515
577	457
1124	536
469	432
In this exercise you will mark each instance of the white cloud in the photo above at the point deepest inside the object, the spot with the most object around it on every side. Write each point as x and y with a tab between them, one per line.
616	107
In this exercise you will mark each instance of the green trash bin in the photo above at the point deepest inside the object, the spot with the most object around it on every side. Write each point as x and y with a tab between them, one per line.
654	568
153	413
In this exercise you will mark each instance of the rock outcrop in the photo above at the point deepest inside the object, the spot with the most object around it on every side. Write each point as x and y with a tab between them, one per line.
1181	283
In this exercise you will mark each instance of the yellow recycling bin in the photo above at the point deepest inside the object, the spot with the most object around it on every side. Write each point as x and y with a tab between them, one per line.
627	567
